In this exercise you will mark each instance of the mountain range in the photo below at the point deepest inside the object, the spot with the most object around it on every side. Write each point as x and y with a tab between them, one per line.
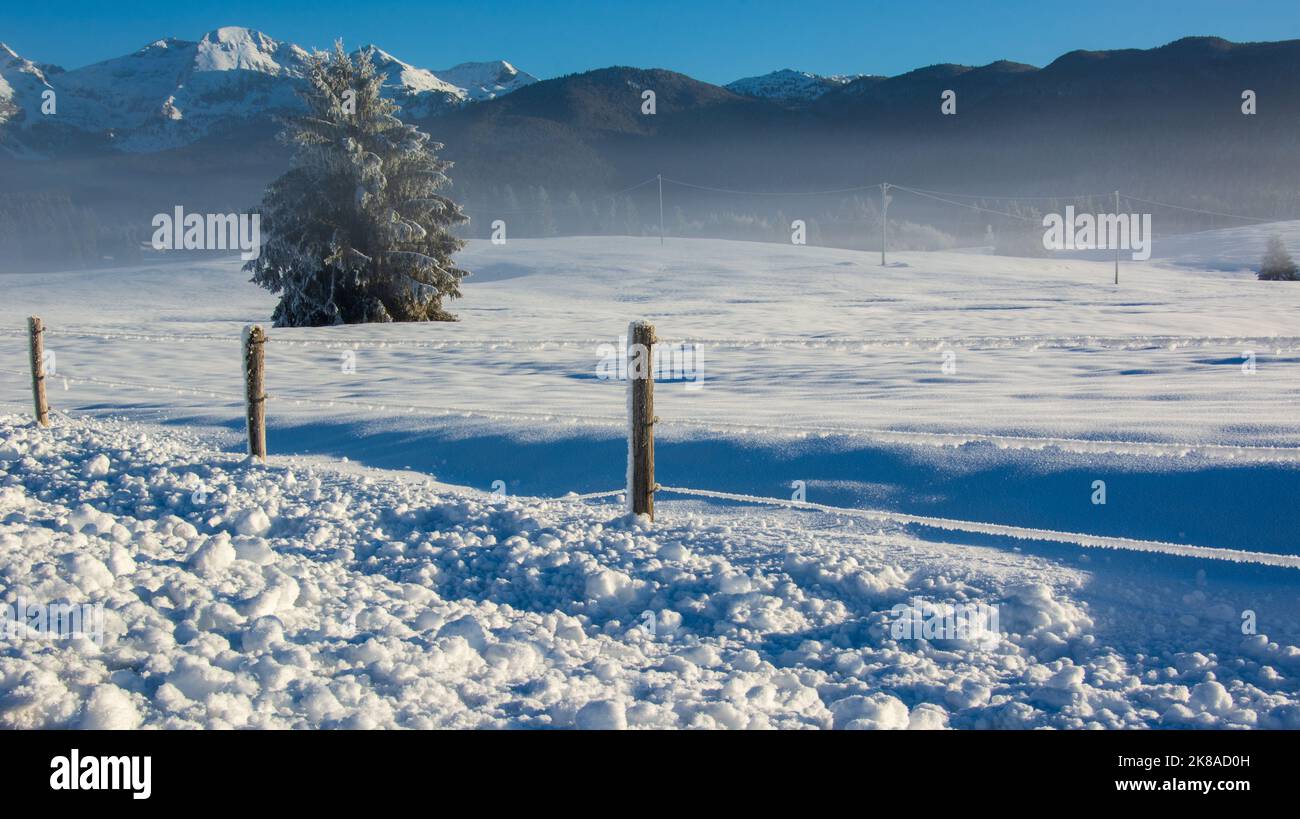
193	123
175	92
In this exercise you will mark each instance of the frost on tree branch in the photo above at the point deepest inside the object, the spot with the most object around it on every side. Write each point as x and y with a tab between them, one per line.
357	229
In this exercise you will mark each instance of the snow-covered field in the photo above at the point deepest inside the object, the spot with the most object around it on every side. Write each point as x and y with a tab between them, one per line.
394	588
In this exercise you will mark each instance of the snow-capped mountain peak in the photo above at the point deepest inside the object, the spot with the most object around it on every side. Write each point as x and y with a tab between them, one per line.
486	80
173	91
789	84
235	48
22	83
406	76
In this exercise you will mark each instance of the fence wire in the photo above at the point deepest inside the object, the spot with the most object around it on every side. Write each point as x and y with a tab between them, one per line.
1002	530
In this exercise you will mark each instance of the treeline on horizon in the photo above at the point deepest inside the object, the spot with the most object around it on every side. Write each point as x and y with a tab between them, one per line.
42	231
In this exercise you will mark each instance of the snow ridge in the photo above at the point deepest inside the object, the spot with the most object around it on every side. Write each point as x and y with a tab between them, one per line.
789	84
22	84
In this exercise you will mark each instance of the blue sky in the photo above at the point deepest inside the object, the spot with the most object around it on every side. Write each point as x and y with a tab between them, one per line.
712	40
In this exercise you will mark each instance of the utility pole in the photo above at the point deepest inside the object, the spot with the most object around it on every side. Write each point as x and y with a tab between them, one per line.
884	220
660	177
1112	238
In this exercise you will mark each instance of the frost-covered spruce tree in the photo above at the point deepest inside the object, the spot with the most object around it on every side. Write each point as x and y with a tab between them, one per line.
357	231
1278	265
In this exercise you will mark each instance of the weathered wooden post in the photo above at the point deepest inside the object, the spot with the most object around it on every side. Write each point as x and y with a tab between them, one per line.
641	419
254	389
36	332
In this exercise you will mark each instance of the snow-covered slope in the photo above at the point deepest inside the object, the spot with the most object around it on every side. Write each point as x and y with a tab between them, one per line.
481	81
304	594
789	84
1016	325
21	84
173	92
383	590
420	92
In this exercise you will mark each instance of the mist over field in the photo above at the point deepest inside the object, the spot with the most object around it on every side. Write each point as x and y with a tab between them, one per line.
195	123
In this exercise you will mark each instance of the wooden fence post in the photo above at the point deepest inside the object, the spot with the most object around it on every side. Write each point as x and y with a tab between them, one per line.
36	332
641	419
254	389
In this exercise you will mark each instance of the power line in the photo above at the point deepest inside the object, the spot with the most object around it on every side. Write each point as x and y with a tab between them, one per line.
772	193
613	195
964	204
1010	198
946	197
1209	212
